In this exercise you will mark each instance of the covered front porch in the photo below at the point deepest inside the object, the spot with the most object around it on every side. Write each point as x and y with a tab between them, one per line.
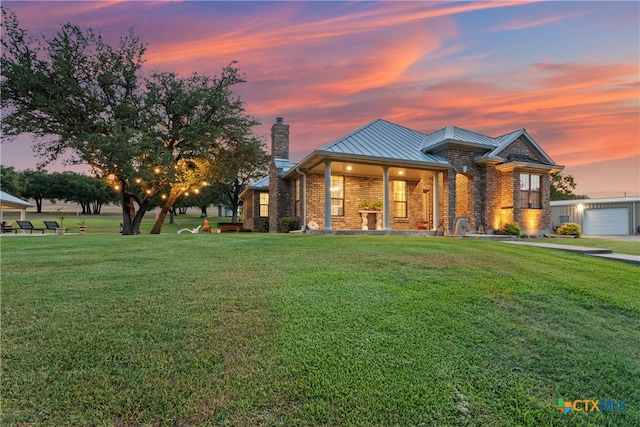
352	195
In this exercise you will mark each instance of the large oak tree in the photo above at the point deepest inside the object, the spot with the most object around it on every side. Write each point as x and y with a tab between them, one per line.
82	97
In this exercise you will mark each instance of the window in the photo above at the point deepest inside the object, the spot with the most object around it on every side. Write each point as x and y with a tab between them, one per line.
564	219
337	195
400	199
264	204
298	196
530	191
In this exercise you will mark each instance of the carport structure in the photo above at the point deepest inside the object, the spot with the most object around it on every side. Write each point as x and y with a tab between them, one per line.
13	203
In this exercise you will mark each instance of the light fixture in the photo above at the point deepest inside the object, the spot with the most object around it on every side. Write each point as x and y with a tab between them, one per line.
401	173
349	168
580	207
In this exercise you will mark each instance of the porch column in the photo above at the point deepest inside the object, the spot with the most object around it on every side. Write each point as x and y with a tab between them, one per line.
327	195
436	203
385	174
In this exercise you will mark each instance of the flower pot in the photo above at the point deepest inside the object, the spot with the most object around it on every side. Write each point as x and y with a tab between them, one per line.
83	228
61	231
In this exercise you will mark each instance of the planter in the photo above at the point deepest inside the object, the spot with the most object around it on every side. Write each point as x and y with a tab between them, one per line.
83	228
421	225
61	231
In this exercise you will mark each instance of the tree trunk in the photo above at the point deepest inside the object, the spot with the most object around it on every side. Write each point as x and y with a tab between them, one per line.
173	195
126	228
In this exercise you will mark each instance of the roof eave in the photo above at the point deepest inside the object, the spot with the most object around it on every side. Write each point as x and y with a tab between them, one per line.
443	145
536	167
319	156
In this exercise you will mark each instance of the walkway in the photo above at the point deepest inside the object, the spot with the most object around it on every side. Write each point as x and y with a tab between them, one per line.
599	252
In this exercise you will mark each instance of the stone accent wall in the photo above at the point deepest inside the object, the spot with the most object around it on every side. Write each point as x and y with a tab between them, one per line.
281	202
520	147
280	139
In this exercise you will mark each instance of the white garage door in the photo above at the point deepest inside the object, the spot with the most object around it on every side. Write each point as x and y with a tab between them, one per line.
606	221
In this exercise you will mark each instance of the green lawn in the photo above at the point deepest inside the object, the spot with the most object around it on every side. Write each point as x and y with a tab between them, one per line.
257	329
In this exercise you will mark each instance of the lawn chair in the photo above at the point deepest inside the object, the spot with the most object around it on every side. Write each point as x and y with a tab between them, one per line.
194	231
26	225
51	225
7	227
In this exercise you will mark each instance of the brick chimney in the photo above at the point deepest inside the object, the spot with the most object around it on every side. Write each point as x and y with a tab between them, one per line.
280	139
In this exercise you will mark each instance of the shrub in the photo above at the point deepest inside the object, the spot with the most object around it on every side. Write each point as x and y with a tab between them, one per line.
289	223
533	236
512	229
570	229
524	236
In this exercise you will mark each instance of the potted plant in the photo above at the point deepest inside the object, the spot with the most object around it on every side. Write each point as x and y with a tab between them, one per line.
422	224
60	216
365	205
82	226
378	205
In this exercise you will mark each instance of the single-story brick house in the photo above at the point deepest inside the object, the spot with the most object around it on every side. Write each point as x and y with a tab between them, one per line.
386	176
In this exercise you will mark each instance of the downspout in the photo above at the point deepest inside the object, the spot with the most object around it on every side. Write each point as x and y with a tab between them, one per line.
635	229
303	199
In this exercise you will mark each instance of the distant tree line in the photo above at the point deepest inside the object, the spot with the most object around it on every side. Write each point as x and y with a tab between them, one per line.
92	193
89	192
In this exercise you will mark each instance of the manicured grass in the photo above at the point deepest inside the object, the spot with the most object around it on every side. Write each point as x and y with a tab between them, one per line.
254	329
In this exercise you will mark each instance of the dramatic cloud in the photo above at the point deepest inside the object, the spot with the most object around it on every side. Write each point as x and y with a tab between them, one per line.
569	76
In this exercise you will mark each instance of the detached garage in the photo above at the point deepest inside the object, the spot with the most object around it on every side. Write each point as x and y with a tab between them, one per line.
606	221
617	216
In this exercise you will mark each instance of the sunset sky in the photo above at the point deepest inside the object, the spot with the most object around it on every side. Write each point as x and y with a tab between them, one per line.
568	72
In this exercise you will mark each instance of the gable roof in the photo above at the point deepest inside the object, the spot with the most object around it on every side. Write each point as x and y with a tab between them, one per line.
503	142
453	134
12	202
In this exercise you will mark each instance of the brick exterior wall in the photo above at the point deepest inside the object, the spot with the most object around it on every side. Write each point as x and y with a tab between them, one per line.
357	189
252	220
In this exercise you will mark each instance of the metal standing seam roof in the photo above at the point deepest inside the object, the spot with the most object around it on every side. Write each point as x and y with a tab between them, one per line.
260	184
283	166
384	140
9	201
453	133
